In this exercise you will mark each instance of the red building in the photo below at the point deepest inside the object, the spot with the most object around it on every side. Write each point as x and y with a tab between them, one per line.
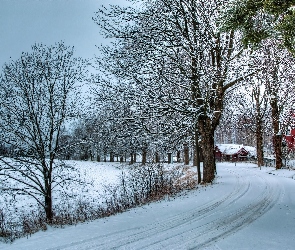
231	152
290	140
218	154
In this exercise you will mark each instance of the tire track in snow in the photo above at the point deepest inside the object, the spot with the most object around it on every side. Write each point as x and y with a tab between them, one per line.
206	234
196	214
238	219
121	238
195	229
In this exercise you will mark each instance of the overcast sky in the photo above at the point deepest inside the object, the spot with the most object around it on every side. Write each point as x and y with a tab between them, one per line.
25	22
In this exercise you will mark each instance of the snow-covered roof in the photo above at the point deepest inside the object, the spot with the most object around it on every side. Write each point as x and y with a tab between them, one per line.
251	150
231	149
227	147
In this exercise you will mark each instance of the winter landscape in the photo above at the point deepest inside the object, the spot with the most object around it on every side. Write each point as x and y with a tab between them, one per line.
138	124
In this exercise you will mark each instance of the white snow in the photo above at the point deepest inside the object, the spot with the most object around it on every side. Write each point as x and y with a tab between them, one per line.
99	175
246	208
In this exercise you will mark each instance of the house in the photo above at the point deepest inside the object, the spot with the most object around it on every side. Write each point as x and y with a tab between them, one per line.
233	152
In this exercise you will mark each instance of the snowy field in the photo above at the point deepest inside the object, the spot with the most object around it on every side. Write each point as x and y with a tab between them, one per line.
21	215
97	175
246	208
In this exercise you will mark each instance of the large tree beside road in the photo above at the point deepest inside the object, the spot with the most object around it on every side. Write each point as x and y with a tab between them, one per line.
173	52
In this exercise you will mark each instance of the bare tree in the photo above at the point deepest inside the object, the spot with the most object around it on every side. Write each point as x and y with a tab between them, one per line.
279	76
36	100
173	52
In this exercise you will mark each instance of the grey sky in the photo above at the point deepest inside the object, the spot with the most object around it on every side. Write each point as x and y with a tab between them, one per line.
25	22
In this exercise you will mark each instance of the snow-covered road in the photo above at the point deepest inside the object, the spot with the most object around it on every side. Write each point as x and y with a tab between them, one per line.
247	208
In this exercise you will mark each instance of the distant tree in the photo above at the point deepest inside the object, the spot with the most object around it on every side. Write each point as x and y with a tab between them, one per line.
113	121
36	99
65	151
251	105
137	127
261	19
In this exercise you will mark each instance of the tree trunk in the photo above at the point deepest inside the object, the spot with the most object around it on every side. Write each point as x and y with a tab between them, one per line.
157	158
143	161
186	154
131	159
256	96
178	156
112	157
169	158
259	136
277	143
207	134
277	137
48	194
196	160
47	172
259	145
48	206
134	157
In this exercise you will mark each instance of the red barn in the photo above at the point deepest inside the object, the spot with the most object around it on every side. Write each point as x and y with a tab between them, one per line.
231	152
236	154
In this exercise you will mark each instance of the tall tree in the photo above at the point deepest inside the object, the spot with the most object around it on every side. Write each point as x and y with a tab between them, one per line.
252	105
35	101
259	101
173	52
279	73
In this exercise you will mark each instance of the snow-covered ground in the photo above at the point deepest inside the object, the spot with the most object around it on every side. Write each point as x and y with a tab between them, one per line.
98	175
246	208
